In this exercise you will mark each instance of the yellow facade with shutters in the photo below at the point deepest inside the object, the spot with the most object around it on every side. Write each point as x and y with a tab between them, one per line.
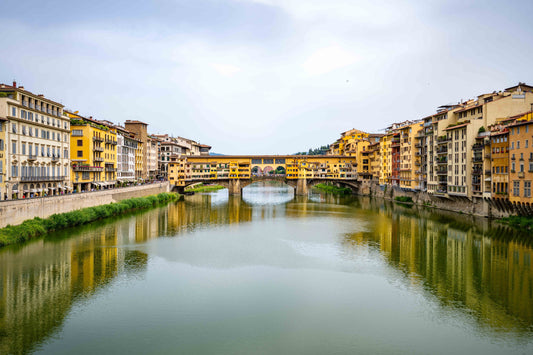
191	168
93	151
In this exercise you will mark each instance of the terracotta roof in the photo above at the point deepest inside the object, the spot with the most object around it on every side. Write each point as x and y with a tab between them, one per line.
458	126
520	123
135	121
4	87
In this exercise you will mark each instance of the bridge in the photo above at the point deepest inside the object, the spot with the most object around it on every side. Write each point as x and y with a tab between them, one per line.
238	171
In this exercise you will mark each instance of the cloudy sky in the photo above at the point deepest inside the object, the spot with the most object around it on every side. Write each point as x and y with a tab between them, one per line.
264	76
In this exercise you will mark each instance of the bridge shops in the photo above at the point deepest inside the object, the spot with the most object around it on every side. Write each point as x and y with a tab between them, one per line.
238	171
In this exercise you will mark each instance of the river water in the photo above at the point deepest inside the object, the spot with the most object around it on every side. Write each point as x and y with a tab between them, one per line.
268	273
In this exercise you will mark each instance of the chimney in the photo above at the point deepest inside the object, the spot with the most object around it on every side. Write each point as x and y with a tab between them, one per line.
14	84
21	87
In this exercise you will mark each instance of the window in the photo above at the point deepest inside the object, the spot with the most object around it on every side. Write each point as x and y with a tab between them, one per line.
14	128
80	153
13	147
516	188
1	145
527	188
14	111
512	145
24	148
517	144
80	142
527	143
517	130
513	166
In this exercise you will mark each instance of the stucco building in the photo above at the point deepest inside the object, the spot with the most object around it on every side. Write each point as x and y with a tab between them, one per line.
35	156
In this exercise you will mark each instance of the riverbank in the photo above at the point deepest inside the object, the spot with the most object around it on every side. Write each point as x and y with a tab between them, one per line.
37	227
332	189
17	211
475	206
204	188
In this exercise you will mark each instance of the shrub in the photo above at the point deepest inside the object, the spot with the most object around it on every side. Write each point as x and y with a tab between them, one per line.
36	227
404	199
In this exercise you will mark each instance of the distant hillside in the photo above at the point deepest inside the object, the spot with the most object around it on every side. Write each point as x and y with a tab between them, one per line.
317	151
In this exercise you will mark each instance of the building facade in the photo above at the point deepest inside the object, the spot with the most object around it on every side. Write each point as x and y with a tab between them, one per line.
36	144
93	146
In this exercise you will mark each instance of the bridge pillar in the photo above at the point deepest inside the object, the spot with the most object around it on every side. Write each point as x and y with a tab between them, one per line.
234	187
301	187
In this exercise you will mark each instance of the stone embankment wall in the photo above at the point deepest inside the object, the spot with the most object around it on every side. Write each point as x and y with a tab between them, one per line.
476	207
17	211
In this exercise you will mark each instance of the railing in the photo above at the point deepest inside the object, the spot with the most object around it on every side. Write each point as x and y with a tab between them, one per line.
86	168
110	141
32	157
97	139
98	149
42	178
98	159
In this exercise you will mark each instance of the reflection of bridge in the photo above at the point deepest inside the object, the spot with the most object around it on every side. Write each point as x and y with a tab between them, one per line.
238	171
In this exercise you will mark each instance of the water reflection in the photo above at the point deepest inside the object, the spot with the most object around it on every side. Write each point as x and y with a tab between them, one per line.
467	264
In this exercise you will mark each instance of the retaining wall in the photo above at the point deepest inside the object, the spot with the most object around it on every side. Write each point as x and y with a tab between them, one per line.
476	206
17	211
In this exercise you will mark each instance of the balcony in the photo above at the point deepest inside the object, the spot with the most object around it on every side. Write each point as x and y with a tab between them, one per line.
98	159
41	178
55	157
488	172
110	169
442	151
477	146
111	141
98	149
32	157
442	161
521	174
477	159
97	139
442	172
86	168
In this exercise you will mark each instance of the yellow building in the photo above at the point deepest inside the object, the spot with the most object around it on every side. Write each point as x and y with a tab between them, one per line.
521	160
188	168
93	153
409	172
385	153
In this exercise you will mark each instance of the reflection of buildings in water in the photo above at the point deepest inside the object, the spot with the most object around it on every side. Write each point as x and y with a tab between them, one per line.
197	210
40	282
492	278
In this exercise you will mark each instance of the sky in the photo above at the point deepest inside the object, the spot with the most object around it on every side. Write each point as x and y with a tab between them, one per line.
264	76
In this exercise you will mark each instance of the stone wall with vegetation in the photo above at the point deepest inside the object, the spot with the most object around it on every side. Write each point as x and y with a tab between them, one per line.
476	207
17	211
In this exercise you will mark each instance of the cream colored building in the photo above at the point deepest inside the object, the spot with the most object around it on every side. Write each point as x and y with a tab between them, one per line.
36	144
153	147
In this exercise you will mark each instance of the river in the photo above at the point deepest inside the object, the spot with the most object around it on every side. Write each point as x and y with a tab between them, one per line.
270	273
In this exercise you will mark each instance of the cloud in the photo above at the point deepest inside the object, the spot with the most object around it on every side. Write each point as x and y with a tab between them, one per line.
226	69
328	59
